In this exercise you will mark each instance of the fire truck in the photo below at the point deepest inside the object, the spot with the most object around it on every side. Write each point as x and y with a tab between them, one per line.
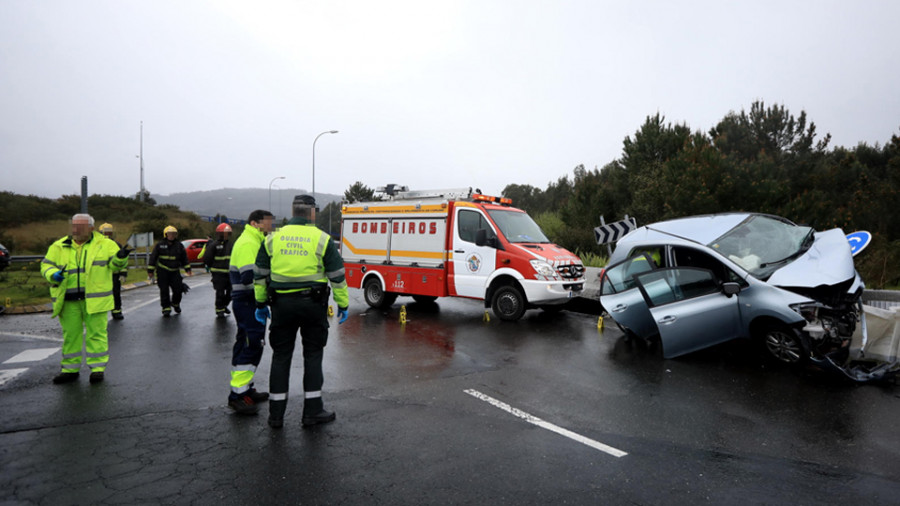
454	243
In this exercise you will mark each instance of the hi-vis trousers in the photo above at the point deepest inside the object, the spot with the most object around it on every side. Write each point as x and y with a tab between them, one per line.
82	330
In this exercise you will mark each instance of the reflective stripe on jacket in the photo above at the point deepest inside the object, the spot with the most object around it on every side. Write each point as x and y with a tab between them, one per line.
216	255
298	256
242	265
87	269
168	255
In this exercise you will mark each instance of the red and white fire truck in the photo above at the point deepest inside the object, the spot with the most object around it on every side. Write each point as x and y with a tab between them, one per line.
457	243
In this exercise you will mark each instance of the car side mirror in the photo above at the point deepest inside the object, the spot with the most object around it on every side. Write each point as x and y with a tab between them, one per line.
481	238
731	288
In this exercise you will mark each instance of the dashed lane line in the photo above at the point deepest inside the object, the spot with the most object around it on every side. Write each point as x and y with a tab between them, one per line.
8	374
615	452
33	355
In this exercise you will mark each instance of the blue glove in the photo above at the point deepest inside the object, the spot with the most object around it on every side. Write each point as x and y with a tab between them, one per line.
262	313
342	313
58	277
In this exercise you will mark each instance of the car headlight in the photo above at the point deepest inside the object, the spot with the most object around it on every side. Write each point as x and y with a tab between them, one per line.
543	268
809	311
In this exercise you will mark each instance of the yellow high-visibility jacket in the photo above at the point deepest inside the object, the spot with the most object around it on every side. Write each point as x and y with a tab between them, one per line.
87	269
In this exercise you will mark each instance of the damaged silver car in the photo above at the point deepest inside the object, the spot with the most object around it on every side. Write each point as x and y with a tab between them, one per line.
694	282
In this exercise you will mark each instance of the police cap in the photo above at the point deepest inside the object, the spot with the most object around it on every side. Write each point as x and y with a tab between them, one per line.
304	200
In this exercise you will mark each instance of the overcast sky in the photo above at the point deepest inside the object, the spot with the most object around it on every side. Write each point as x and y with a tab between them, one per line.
430	94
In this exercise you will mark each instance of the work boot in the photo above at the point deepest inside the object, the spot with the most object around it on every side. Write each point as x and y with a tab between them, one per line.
314	412
276	413
221	313
226	311
65	377
177	308
167	311
258	396
243	405
96	377
117	315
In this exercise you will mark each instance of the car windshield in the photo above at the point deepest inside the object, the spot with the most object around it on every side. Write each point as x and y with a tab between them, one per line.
517	226
763	244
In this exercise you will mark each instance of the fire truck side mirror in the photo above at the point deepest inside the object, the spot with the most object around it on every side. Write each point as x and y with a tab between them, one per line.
481	238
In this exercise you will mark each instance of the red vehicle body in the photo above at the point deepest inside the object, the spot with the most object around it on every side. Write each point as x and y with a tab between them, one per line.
455	243
193	247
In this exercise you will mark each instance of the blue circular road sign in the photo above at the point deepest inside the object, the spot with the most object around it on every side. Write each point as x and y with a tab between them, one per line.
858	241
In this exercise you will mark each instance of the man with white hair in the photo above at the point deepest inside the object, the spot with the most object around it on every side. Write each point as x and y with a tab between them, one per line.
80	267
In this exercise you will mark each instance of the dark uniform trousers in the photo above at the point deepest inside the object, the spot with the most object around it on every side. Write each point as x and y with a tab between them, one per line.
117	291
309	314
248	343
222	284
166	280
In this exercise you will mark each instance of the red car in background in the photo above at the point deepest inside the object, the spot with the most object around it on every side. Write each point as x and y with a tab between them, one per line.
193	247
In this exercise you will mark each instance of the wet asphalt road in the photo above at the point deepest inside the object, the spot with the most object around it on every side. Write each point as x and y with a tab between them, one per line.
446	409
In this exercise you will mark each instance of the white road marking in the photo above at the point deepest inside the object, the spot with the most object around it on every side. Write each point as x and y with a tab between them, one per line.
8	374
31	336
546	425
34	355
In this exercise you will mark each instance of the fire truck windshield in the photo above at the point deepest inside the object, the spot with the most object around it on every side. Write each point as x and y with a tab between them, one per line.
517	226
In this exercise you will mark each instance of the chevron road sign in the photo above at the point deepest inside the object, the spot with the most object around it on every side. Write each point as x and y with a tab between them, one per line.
612	232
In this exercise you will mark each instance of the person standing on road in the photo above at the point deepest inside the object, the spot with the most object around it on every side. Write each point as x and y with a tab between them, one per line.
118	277
293	272
216	255
250	338
167	257
80	269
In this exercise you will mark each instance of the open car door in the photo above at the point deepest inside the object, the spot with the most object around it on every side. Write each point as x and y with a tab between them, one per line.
689	309
622	299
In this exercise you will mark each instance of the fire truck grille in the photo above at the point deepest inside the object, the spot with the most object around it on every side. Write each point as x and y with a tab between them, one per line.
570	271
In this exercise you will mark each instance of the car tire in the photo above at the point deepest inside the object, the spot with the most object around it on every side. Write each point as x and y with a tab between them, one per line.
784	345
508	303
375	295
424	299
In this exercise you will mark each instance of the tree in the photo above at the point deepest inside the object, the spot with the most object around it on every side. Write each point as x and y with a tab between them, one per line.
359	192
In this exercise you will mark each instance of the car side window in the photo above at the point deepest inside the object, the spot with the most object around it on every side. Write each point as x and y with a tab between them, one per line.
620	277
469	222
690	257
664	286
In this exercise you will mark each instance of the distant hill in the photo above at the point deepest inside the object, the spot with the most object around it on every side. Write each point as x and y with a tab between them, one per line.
240	202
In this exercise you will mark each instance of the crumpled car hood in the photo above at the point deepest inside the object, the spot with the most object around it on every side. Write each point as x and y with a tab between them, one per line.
827	262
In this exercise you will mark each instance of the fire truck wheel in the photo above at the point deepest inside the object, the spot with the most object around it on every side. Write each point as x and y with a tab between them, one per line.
508	303
375	295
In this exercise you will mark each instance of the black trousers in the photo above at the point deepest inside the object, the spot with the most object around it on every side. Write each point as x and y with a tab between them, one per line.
168	280
310	316
117	291
222	285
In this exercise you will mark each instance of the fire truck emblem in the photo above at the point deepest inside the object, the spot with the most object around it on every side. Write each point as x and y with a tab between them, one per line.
473	262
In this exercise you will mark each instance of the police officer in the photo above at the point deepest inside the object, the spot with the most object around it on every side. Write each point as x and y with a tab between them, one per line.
248	343
80	268
167	257
295	267
117	277
216	255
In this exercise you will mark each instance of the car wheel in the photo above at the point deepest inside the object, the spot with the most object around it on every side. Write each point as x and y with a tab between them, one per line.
508	303
424	299
376	296
784	344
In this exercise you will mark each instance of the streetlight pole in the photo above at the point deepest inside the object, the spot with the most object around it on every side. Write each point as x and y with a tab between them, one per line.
314	160
270	191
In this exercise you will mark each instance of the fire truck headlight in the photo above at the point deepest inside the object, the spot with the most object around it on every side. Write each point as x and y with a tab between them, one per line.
543	268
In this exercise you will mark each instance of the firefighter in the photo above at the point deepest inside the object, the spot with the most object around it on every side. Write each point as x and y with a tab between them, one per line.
293	272
250	338
167	257
80	269
118	277
216	256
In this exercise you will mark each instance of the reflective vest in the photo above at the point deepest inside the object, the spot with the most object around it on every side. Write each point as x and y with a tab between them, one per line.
296	252
242	264
87	269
